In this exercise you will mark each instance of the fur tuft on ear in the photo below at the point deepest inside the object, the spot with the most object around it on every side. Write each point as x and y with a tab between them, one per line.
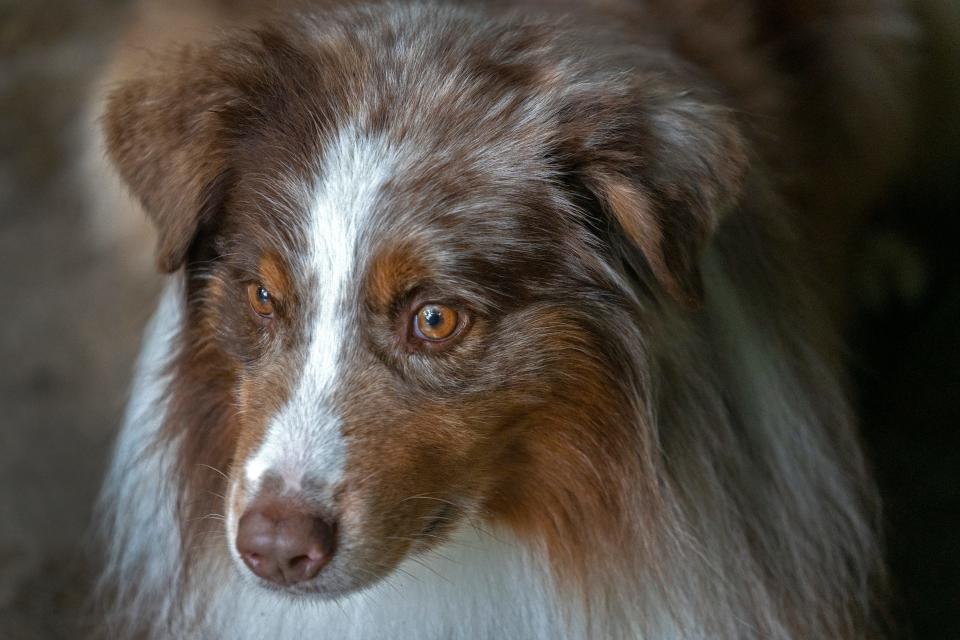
665	168
165	136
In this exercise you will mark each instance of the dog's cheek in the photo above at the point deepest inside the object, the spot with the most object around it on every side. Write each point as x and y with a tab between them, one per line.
405	458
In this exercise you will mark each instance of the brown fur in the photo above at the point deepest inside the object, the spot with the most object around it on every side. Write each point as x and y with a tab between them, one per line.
625	166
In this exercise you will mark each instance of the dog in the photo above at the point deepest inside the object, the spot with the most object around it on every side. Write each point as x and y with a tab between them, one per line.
498	320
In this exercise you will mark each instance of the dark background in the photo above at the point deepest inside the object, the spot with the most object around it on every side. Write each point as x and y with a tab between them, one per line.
71	310
906	366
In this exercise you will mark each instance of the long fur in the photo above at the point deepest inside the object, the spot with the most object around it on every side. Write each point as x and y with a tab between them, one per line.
745	508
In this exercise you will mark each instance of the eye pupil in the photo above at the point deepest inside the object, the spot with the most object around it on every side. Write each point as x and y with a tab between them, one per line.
260	300
432	316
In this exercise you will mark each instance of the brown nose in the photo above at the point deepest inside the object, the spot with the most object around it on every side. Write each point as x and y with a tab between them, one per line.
284	544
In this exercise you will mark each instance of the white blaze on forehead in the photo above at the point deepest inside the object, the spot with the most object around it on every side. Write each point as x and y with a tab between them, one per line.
304	440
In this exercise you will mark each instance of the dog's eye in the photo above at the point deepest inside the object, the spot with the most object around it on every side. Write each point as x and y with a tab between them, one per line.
436	322
260	300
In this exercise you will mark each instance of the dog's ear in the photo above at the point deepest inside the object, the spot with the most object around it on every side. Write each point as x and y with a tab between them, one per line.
166	135
664	166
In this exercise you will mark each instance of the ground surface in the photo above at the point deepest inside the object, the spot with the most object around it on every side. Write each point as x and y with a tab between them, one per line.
70	318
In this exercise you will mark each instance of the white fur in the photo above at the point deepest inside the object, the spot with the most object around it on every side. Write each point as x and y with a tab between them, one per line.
478	585
305	434
137	503
303	443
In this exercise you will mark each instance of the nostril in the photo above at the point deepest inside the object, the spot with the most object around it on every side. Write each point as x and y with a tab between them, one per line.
302	568
299	560
251	559
280	542
304	546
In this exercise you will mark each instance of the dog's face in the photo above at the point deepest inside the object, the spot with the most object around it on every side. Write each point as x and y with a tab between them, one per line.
394	327
412	272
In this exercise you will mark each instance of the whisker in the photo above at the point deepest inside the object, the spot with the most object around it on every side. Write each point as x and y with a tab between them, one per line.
425	496
430	569
214	469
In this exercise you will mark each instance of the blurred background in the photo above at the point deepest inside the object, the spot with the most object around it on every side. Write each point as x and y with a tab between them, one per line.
71	311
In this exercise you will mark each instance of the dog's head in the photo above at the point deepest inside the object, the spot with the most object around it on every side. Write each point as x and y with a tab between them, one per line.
418	249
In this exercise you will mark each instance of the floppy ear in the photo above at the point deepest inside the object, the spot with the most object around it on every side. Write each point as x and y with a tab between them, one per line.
665	167
166	136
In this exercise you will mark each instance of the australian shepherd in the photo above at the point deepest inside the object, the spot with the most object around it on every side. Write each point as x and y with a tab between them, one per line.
497	320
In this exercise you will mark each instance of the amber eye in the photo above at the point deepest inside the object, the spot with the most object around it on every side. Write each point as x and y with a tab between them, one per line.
260	300
436	322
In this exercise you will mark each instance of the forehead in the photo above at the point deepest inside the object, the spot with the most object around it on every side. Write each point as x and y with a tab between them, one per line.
368	194
441	151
